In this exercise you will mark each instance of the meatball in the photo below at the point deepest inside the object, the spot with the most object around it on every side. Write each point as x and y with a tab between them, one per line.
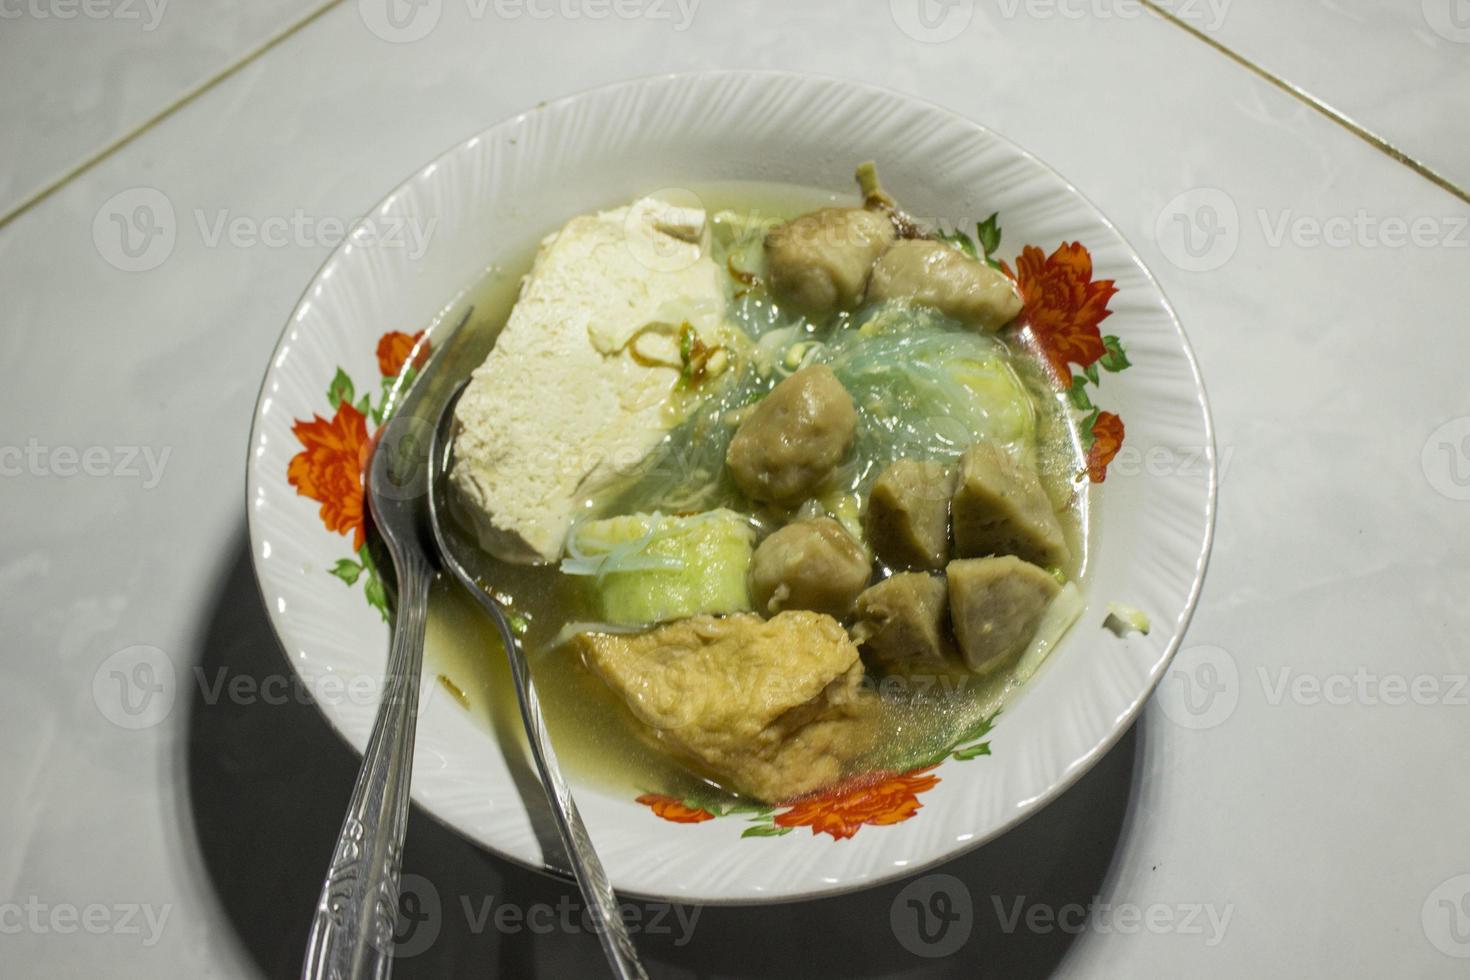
904	621
1000	508
821	261
794	438
814	565
908	514
995	605
939	275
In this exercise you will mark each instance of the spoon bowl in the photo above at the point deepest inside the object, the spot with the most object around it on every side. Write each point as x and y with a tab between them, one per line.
458	559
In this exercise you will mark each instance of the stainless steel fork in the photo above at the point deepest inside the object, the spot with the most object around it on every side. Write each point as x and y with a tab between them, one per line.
352	929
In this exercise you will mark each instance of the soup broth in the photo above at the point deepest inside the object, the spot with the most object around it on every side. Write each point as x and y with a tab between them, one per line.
597	739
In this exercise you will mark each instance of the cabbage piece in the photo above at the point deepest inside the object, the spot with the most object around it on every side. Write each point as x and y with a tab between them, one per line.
648	568
1124	619
1064	610
926	388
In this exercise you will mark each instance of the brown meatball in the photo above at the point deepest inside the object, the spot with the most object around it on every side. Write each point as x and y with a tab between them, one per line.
904	621
813	565
908	514
995	605
794	438
1000	508
821	261
939	275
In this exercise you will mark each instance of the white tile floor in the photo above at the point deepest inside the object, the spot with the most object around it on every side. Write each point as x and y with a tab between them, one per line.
1329	828
79	77
1395	67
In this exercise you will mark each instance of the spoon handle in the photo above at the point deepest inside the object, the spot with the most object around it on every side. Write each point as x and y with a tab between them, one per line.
352	930
602	904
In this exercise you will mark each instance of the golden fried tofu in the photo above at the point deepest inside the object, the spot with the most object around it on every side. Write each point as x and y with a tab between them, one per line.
772	709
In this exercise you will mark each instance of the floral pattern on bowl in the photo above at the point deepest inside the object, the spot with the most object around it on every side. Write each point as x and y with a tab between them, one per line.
334	456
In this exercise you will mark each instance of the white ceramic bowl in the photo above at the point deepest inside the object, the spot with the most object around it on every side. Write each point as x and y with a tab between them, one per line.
495	195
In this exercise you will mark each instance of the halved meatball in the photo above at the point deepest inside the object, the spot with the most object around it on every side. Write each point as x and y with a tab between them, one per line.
1000	508
814	565
821	261
995	605
904	621
907	522
794	438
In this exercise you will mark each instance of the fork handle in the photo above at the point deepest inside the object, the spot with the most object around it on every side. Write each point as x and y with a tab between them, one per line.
352	931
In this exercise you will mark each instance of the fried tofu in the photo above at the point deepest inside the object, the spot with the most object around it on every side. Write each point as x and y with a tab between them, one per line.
772	709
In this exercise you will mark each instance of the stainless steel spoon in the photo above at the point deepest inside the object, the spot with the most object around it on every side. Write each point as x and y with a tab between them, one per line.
596	891
352	930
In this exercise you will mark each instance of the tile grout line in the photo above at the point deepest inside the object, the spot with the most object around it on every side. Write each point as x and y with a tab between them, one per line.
188	97
1314	103
1301	95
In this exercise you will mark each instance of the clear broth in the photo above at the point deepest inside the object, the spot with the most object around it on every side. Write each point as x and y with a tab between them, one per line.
597	740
